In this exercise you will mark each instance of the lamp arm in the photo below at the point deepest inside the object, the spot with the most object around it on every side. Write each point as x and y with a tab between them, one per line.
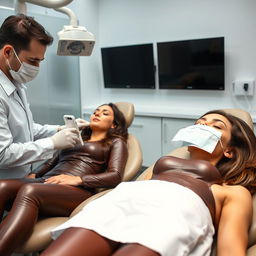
20	5
70	13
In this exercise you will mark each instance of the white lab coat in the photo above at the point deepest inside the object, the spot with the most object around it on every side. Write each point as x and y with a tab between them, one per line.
22	141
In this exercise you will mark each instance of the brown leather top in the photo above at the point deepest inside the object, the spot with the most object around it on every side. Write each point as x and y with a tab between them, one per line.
100	164
197	175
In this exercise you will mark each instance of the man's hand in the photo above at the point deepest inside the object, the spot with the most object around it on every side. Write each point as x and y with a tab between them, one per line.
66	138
64	180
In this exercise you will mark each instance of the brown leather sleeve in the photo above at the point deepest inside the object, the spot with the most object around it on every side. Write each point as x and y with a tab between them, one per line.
115	170
46	166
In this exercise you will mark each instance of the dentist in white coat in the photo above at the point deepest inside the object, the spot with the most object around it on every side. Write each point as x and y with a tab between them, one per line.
23	43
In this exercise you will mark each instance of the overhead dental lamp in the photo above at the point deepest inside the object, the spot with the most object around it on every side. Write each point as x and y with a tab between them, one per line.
74	40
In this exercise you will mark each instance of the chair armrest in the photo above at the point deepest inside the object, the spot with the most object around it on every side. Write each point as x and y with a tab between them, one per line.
146	174
85	202
41	237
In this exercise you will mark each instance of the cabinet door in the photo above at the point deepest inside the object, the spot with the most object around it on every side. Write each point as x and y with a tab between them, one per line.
169	129
148	131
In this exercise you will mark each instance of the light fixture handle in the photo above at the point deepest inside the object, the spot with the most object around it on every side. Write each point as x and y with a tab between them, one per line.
20	5
70	13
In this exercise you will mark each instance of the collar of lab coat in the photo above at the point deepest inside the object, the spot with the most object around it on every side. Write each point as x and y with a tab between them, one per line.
8	86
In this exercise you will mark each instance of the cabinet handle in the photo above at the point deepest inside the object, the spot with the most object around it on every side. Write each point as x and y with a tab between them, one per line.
164	132
138	125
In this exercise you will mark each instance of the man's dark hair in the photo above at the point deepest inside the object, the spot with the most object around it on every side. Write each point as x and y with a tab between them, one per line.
19	30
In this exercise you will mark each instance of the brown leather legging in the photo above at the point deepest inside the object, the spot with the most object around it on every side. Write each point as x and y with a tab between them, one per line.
30	198
84	242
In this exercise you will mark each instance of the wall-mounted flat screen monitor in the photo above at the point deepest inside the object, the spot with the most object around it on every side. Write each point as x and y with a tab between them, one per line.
191	64
128	66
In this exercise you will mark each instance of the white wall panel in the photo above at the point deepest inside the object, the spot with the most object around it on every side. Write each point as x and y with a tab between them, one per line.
123	22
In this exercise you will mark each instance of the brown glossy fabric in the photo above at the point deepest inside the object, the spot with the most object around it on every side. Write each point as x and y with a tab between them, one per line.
105	159
197	175
84	242
31	197
80	242
135	250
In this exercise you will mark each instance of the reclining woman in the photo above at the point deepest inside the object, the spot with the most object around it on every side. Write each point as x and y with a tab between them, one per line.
63	182
179	209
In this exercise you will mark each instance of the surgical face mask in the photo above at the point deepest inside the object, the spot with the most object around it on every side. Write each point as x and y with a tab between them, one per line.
26	72
200	136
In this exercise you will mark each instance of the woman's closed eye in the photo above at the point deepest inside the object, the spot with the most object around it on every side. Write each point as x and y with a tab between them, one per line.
214	123
217	127
105	113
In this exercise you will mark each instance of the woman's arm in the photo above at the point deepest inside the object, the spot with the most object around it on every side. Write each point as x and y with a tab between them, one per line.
115	169
234	223
110	178
46	166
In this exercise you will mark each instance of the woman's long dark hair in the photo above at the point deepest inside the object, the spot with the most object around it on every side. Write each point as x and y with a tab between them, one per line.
241	168
120	126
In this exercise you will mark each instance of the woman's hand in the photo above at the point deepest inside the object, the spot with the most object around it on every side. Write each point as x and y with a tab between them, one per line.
81	123
64	180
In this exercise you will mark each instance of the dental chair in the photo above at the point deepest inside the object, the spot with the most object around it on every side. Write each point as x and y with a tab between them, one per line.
183	153
41	237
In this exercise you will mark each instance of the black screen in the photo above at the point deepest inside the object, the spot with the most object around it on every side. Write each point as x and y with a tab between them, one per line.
191	64
128	66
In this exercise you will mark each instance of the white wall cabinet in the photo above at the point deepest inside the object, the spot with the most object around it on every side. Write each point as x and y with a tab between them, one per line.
170	126
155	134
148	131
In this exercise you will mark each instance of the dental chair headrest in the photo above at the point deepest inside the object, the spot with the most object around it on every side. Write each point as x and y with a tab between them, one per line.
127	109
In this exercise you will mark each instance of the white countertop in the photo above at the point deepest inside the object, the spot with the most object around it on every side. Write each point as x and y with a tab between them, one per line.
168	112
165	112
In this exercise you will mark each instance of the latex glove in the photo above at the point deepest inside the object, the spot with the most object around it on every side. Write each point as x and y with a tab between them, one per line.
65	138
61	127
81	123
